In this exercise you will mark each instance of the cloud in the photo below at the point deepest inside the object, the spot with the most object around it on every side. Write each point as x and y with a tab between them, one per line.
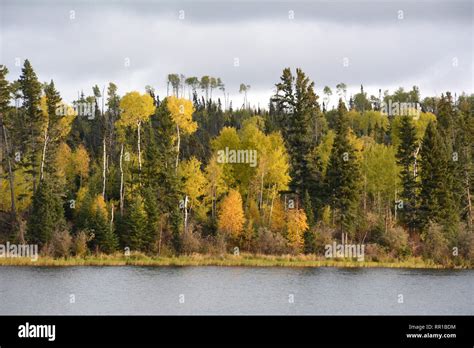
92	44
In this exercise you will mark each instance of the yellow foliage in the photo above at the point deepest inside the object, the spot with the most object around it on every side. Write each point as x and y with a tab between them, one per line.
326	216
253	212
22	186
357	144
99	206
81	197
278	222
297	225
81	161
181	111
64	124
194	181
63	161
215	179
231	216
136	108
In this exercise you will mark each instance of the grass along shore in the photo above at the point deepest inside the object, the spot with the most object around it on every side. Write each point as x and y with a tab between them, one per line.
247	260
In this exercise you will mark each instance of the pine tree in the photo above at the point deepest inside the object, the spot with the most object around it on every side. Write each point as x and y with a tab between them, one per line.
300	120
406	159
105	240
135	222
159	175
51	129
308	208
29	127
343	175
47	214
433	170
5	141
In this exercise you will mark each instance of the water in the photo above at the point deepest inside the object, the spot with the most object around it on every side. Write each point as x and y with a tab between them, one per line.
234	290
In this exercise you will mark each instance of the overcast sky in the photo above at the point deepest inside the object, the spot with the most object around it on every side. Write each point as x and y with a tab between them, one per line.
386	43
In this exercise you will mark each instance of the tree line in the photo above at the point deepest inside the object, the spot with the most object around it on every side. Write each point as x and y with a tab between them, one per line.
142	173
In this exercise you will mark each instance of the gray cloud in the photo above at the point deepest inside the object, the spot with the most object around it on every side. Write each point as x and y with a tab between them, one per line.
382	50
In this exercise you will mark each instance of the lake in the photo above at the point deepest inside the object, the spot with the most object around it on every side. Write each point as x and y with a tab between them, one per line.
234	290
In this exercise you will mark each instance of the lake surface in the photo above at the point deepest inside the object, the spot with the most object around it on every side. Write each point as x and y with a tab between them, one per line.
234	290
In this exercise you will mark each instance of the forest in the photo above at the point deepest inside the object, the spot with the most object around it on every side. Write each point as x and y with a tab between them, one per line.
145	171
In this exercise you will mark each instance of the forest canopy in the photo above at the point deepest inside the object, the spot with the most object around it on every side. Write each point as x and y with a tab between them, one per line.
155	174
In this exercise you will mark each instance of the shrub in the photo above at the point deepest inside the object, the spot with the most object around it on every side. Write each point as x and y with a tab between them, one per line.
395	241
191	241
61	243
79	245
323	235
269	242
435	244
465	244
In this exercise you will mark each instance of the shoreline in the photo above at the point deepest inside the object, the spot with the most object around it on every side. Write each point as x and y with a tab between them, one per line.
200	260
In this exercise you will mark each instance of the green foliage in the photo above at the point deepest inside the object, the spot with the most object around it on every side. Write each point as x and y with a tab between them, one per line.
343	176
121	178
406	159
47	214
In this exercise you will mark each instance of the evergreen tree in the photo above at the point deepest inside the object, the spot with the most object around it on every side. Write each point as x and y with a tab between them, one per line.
343	175
29	123
105	239
308	208
135	222
300	120
436	197
406	159
51	129
47	214
5	142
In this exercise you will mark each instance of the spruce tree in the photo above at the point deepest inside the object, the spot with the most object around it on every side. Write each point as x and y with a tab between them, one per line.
301	122
443	158
406	159
433	163
343	176
51	140
29	122
47	214
135	222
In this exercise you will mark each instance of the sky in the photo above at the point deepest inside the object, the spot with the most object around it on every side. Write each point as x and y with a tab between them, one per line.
380	44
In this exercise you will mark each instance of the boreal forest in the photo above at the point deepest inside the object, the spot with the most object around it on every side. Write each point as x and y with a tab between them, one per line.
182	169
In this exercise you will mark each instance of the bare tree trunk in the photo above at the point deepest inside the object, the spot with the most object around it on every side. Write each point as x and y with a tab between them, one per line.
177	147
396	204
365	194
139	148
271	207
185	214
469	203
121	180
43	156
415	164
104	167
161	233
10	172
261	191
214	202
112	217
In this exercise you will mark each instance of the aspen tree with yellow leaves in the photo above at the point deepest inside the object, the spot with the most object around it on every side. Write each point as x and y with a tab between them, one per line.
182	115
136	109
231	217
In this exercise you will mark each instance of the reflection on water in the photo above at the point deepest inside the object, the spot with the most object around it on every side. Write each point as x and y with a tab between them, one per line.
234	290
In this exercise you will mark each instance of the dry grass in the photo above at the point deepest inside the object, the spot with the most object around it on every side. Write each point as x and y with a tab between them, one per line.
249	260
